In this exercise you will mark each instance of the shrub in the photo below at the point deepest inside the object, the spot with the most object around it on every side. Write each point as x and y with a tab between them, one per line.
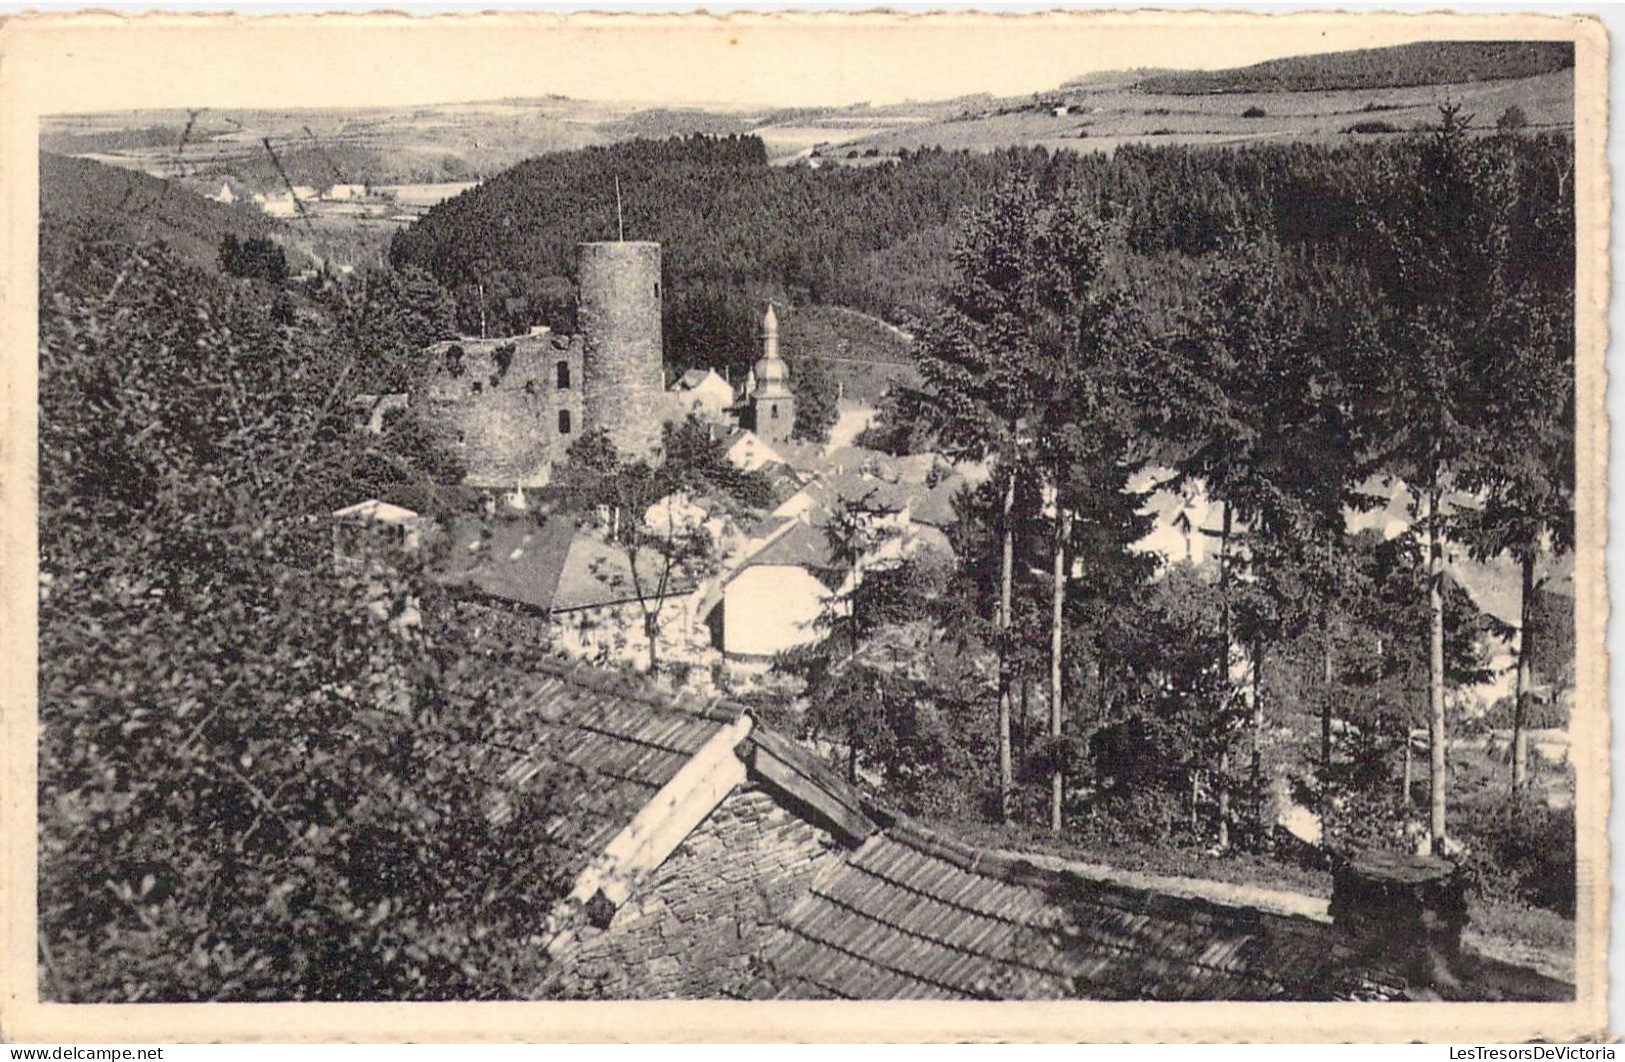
1512	118
1372	127
1253	112
257	257
1522	852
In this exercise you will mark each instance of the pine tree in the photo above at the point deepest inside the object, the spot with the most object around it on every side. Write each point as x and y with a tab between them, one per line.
1439	252
1032	362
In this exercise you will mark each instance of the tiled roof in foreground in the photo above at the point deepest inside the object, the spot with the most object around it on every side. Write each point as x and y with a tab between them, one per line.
759	872
911	916
589	749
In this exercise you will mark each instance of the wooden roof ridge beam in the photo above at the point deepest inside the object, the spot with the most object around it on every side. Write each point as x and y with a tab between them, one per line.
653	834
795	774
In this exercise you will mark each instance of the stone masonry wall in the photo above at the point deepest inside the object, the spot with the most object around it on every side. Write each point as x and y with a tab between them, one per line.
692	929
505	421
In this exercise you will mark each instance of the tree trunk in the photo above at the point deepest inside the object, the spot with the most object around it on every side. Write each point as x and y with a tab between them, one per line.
1026	725
1405	775
852	744
1006	579
651	631
1222	775
1327	673
1436	766
1521	691
1258	738
1057	621
1325	719
1196	788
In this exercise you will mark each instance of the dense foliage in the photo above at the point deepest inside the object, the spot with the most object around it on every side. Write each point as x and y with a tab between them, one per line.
257	257
260	769
1415	343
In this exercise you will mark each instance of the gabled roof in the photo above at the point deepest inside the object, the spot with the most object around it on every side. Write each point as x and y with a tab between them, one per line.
852	488
881	908
515	560
381	511
598	573
802	546
801	455
551	567
592	747
693	378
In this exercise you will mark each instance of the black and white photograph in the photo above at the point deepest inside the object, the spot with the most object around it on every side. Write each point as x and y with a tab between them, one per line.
1063	509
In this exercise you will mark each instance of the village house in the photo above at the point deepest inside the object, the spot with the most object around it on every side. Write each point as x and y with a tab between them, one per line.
583	585
702	393
746	450
406	528
778	598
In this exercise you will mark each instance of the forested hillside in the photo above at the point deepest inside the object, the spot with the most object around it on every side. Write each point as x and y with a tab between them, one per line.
259	767
107	202
1400	66
736	231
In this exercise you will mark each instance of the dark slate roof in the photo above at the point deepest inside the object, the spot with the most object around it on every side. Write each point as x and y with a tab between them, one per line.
595	746
802	546
553	567
912	916
513	559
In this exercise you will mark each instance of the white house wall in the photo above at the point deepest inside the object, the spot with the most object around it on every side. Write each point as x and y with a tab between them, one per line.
769	609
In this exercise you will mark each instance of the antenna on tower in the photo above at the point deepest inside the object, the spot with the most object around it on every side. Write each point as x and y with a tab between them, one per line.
620	219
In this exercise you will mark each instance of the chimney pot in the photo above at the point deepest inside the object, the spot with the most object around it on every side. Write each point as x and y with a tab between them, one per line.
1412	908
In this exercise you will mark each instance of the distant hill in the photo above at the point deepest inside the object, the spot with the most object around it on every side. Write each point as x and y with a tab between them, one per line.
1400	66
865	354
147	136
83	195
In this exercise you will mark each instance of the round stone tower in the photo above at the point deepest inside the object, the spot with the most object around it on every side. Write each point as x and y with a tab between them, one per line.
619	319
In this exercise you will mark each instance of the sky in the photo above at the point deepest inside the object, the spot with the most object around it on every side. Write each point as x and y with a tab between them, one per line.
115	63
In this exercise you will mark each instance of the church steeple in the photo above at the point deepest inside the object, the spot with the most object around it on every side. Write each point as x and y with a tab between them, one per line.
772	374
773	405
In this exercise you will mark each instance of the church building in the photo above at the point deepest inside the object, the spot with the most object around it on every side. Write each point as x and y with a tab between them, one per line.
770	405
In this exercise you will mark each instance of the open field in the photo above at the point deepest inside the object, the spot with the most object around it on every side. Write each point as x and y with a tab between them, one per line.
1105	118
265	150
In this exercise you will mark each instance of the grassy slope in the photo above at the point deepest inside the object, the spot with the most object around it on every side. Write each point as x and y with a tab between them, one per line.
865	354
1102	119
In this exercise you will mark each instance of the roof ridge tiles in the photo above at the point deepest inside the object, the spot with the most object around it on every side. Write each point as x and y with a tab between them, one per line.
636	688
986	862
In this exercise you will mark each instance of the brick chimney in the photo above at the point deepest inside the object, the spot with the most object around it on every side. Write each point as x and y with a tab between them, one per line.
1412	908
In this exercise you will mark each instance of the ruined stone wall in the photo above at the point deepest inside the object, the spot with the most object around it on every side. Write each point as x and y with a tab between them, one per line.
499	403
692	929
619	317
